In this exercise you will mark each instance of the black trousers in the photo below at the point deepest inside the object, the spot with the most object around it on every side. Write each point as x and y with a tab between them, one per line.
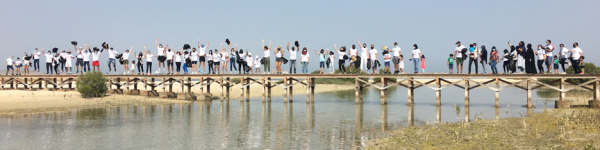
562	62
505	66
513	66
148	67
342	65
576	66
210	67
178	66
240	67
140	67
473	61
540	66
48	68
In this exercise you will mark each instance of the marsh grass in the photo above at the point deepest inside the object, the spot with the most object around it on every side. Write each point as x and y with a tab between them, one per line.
578	129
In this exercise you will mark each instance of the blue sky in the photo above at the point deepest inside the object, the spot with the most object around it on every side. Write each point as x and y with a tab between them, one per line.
434	25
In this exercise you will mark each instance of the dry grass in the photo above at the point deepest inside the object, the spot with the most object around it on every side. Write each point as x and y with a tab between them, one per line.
573	129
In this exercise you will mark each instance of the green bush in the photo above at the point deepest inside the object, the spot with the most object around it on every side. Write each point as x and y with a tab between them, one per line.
590	68
92	84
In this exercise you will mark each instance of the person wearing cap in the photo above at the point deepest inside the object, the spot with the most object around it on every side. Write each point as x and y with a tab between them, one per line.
292	58
95	59
341	61
9	65
161	56
549	49
396	57
257	64
364	55
36	60
125	59
201	57
458	57
49	59
68	62
169	56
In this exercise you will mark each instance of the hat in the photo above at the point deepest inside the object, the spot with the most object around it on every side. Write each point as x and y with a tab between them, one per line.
54	50
105	45
74	43
296	43
457	42
186	46
227	41
384	48
249	53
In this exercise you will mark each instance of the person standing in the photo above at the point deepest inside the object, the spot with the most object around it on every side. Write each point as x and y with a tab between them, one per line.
216	57
416	56
304	60
494	59
209	58
423	64
225	60
483	58
396	57
240	61
341	60
292	57
36	60
140	63
450	63
79	61
9	65
232	55
62	60
249	63
330	62
364	55
473	55
386	62
161	56
26	63
505	61
267	64
86	59
49	58
541	53
576	54
530	60
194	59
18	65
278	59
352	65
95	61
68	62
125	59
373	57
257	64
170	56
321	61
202	56
562	55
148	57
549	53
459	57
177	58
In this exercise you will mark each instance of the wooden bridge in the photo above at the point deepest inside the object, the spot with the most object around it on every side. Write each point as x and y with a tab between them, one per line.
287	82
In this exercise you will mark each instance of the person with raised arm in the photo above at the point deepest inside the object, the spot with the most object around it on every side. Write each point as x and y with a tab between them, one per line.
95	61
202	56
225	58
10	65
68	62
292	57
266	58
364	54
49	58
232	55
278	59
112	53
177	59
170	54
125	59
79	56
36	60
321	61
304	57
148	55
161	56
352	65
249	64
86	58
341	61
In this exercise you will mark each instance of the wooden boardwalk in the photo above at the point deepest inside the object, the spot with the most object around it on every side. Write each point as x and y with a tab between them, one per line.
287	82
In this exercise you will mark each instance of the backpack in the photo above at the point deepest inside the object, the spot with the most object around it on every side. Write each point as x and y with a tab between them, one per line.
464	51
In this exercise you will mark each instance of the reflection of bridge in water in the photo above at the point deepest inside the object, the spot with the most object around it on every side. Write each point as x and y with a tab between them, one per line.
411	82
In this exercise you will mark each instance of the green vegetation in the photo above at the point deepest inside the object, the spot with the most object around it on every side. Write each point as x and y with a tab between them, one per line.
590	68
92	84
561	129
335	80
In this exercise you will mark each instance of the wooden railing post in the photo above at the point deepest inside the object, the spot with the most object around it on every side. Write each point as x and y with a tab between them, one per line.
529	104
438	92
467	88
383	91
411	88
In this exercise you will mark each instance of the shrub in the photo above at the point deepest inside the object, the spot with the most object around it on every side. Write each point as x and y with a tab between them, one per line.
92	84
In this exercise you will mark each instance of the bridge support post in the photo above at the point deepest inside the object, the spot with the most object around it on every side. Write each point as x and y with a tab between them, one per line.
247	89
467	88
529	104
25	84
201	85
242	79
383	91
39	84
208	85
153	85
595	103
358	91
291	91
562	103
127	82
264	90
53	84
411	88
312	90
307	90
285	88
170	84
222	87
61	84
189	86
269	89
227	88
163	84
497	93
438	92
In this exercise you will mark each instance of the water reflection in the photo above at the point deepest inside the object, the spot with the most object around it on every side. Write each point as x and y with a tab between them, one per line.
333	121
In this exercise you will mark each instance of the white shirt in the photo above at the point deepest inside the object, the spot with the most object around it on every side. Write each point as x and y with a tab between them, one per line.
387	55
257	62
223	55
304	58
293	54
18	62
95	56
112	53
68	58
186	56
373	54
161	51
364	52
541	53
49	58
86	56
209	57
79	55
353	52
63	55
9	61
563	52
341	55
249	62
416	53
149	57
201	51
552	48
216	57
36	55
177	58
279	54
170	55
576	53
266	53
194	56
125	56
396	51
332	57
458	51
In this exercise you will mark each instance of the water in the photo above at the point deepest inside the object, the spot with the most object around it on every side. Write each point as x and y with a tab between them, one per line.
332	122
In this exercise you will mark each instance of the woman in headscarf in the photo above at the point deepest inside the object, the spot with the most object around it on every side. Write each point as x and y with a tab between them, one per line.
530	60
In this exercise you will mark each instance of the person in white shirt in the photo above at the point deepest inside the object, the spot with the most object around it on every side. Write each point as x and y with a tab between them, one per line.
9	65
36	60
386	59
170	55
161	56
562	55
125	59
79	61
112	53
194	60
364	55
49	59
576	53
26	63
177	59
18	65
541	53
68	62
458	57
56	63
86	59
232	55
133	66
293	57
396	57
331	62
278	59
341	60
240	60
373	57
209	58
416	56
257	64
304	60
148	57
202	55
225	58
216	58
353	53
62	60
95	61
249	63
266	58
549	57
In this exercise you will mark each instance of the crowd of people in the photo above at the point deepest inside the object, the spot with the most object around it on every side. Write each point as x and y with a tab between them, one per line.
520	59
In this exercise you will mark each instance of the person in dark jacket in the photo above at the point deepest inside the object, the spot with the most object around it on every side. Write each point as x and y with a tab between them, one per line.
483	58
530	60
